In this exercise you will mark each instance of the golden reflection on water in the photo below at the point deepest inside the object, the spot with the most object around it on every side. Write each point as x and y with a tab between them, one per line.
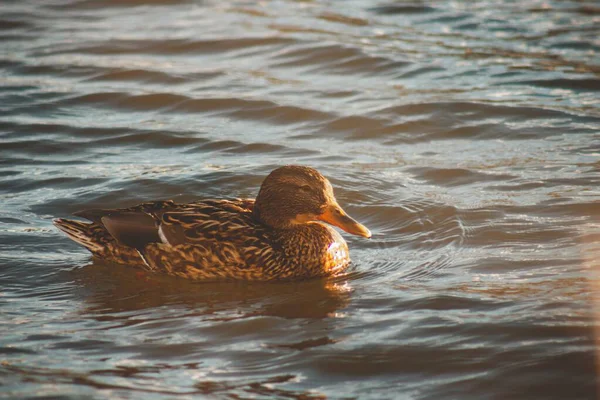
116	289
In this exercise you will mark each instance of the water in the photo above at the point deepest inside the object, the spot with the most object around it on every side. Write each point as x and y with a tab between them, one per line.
465	136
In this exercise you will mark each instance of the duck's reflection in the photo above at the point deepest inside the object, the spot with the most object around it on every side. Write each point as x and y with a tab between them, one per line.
116	292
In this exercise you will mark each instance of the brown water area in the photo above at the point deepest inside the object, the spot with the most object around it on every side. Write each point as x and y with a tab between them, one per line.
464	134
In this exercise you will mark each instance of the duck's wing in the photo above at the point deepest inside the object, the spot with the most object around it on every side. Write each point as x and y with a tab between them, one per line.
139	225
121	246
212	241
118	235
206	223
131	227
167	221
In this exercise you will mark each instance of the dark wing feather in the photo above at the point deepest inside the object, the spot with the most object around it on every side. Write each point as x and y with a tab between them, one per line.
133	229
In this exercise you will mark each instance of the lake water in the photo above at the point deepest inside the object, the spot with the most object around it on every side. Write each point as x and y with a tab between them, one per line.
464	135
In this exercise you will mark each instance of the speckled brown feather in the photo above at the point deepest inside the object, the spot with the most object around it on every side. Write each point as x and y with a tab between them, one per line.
216	239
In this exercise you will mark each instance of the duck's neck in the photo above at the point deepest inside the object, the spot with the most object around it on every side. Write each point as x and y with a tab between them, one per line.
271	220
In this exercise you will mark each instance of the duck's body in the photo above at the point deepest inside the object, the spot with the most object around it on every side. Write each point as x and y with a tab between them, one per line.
228	239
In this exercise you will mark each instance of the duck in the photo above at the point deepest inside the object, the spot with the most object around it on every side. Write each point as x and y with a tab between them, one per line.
286	233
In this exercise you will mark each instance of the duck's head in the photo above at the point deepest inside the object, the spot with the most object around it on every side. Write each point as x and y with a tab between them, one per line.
293	195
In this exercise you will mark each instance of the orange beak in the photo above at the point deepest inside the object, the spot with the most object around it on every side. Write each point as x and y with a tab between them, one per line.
334	215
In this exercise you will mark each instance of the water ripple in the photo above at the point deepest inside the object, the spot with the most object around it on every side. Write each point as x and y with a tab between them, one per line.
464	137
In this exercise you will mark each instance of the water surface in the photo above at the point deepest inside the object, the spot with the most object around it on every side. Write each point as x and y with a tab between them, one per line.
465	136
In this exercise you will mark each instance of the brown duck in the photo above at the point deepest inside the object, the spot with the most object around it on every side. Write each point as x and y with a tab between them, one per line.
280	235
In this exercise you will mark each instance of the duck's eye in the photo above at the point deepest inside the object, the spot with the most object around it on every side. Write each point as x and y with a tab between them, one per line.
306	188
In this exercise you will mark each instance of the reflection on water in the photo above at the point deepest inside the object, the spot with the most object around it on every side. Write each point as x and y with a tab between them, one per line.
464	135
117	293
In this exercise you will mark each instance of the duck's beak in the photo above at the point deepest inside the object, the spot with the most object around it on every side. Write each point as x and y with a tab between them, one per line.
334	215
